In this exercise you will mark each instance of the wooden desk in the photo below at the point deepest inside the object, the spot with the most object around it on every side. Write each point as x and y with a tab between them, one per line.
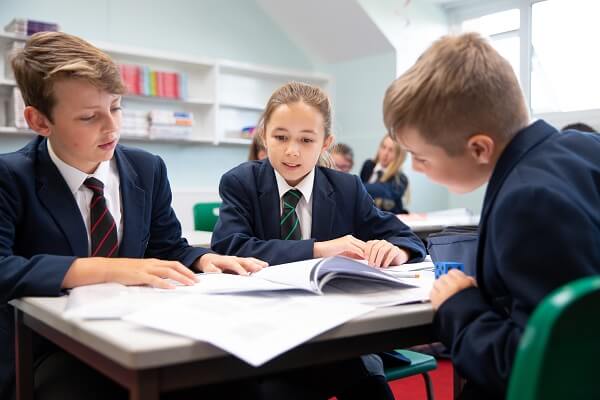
149	362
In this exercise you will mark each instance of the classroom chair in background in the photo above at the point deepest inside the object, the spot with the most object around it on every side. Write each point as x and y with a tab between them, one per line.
560	349
206	216
402	363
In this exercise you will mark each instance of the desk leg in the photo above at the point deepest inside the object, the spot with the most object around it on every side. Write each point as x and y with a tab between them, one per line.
145	386
24	358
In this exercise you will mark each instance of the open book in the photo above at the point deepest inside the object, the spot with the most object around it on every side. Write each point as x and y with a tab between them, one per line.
338	276
310	275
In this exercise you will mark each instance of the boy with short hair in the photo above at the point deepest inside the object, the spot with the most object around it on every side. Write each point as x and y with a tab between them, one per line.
461	114
73	200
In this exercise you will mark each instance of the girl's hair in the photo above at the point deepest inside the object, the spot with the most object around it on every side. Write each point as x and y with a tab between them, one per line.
396	165
256	146
295	92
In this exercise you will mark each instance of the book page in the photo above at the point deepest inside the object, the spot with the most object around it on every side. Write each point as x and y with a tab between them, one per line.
339	267
253	328
382	294
113	300
296	274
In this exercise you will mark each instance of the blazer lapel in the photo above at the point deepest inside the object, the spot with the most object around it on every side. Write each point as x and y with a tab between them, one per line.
56	196
133	203
268	197
323	207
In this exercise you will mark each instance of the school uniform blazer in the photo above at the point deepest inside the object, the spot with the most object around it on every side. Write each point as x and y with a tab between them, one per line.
388	194
249	216
539	229
42	231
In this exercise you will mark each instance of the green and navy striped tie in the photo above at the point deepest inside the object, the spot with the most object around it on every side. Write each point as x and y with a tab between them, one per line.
290	225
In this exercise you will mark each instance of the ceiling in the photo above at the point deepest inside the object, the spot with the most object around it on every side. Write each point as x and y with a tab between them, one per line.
316	27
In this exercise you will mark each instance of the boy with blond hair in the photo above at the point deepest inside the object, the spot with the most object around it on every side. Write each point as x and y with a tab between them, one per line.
461	114
77	208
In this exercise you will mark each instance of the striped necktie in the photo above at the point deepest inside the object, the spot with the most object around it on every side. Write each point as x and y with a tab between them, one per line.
290	225
103	230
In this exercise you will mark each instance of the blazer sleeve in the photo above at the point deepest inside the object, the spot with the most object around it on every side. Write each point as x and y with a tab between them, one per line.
40	275
376	224
165	241
530	260
366	170
235	232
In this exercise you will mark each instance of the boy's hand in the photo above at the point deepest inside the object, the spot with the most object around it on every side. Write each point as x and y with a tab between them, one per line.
381	253
346	245
448	285
127	271
239	265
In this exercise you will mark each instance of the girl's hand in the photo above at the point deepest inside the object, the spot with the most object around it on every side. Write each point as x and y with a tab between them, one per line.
381	253
346	245
448	285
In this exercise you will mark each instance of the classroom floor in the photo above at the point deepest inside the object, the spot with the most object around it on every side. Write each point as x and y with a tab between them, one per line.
413	388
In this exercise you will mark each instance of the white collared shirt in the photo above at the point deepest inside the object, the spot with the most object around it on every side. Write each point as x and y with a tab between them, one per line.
373	178
304	207
108	173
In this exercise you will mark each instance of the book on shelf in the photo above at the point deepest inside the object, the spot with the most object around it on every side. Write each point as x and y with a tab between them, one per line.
143	81
134	123
18	109
26	26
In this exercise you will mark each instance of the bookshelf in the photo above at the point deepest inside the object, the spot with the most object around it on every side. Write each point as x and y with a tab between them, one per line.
223	96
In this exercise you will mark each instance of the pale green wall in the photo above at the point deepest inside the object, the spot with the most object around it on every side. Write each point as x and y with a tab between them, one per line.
233	29
360	85
411	29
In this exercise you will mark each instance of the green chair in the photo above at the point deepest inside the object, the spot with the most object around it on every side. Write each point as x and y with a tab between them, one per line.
559	352
206	216
419	364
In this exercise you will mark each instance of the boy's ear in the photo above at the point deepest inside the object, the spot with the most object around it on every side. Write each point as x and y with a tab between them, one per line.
37	121
481	147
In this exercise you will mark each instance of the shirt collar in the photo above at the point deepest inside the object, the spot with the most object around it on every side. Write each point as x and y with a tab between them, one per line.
305	186
75	177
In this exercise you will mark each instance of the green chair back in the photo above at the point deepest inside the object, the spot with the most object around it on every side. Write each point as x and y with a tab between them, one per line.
560	349
419	364
206	216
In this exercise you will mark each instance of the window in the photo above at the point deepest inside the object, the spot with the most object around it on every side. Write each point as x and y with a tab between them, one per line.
565	65
550	45
503	30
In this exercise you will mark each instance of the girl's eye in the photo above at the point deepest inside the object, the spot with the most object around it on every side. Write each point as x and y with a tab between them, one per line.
307	140
115	109
86	118
280	137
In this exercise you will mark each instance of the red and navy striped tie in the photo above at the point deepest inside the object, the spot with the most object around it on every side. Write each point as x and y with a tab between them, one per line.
103	230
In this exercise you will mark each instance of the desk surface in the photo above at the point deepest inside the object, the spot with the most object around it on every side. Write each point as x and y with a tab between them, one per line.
198	238
136	347
437	223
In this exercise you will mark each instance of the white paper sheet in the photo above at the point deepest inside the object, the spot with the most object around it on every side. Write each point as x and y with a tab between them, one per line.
253	328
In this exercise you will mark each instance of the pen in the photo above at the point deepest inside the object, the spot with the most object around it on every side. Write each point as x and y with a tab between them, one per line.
399	274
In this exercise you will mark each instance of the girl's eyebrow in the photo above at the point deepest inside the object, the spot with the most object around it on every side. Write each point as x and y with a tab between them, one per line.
279	128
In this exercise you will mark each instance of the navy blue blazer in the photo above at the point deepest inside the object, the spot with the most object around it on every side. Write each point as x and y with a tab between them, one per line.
42	231
539	229
249	216
388	194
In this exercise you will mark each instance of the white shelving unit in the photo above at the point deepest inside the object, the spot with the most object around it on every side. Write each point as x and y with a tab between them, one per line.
224	96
